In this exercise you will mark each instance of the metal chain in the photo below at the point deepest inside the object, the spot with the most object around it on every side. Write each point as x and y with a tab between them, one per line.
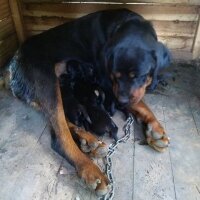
111	150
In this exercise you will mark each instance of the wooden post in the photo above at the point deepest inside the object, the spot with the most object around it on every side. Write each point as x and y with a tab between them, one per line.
196	44
15	7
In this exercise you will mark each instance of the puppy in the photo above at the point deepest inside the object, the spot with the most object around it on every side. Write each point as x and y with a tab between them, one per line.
92	97
74	111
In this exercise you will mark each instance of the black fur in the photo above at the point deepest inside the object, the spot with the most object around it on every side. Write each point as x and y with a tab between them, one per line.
92	97
74	111
110	41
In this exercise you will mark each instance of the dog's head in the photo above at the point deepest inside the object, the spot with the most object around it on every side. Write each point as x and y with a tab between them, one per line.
133	64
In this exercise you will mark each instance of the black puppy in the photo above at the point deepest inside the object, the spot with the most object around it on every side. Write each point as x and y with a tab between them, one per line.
82	76
74	111
92	97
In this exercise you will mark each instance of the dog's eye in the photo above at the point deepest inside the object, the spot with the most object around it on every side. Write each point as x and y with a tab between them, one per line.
131	74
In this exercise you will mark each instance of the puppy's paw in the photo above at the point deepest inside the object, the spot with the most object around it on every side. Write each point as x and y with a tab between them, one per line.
156	137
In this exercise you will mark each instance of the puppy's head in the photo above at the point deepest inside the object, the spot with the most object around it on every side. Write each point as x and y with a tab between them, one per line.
133	69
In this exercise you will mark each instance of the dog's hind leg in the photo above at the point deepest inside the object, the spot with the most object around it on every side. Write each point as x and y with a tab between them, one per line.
155	133
55	142
52	105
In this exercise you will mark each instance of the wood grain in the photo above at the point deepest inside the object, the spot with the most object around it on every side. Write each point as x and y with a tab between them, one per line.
6	27
7	48
180	2
150	12
16	11
4	9
196	44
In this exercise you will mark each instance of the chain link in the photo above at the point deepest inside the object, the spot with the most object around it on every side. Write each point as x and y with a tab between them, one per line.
111	150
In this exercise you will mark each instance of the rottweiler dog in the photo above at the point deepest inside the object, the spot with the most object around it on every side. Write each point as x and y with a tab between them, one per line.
127	57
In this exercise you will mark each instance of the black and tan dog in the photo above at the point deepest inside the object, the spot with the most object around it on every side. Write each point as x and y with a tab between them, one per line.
125	53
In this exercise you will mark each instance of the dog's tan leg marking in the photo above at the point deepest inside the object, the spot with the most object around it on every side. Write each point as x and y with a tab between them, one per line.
156	136
86	169
89	143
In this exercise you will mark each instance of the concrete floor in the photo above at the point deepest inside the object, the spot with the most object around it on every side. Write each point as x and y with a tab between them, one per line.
31	170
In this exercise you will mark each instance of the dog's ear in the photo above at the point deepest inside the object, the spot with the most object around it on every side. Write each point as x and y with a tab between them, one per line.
163	56
162	59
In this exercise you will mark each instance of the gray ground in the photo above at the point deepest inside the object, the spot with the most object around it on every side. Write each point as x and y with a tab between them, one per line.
29	168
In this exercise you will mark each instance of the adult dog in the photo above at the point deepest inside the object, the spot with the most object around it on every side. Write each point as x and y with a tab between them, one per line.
125	53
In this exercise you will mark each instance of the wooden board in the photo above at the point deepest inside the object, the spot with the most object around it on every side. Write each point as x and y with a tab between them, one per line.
174	43
8	40
7	44
163	28
196	44
4	9
175	24
181	55
43	23
175	28
6	27
16	11
177	43
188	2
7	48
150	12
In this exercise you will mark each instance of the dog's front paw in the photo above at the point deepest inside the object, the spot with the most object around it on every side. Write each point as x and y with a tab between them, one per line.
156	136
93	178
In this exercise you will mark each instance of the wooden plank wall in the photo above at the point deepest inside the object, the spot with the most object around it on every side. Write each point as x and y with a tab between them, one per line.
175	21
8	37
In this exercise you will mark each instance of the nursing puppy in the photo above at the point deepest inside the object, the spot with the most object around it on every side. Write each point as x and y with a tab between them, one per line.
92	97
74	111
